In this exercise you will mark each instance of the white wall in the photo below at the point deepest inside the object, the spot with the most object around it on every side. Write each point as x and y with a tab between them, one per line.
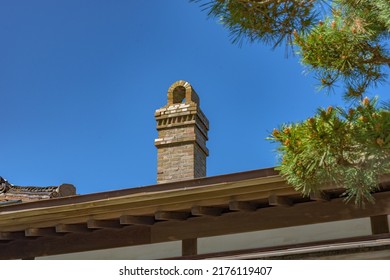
140	252
285	236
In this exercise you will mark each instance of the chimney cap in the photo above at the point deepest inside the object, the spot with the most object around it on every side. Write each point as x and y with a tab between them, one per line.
182	92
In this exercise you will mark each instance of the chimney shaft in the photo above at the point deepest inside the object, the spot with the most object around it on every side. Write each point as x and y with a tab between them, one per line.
182	134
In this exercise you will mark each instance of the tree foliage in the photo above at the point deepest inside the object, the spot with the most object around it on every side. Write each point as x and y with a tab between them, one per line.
349	149
349	46
342	42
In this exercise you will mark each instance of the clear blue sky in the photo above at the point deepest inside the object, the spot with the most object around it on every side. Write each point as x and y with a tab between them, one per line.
80	81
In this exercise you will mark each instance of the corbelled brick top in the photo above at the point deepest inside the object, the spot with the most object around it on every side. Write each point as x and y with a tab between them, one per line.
181	115
14	194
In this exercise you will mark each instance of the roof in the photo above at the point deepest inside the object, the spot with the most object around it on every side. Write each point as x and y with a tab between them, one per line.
10	194
211	206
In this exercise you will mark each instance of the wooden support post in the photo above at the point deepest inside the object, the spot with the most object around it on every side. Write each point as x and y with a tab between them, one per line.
189	247
379	224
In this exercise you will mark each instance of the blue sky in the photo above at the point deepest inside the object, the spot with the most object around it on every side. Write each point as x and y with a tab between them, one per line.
80	81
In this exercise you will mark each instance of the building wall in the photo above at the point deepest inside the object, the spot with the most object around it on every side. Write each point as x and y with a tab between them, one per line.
141	252
175	163
285	236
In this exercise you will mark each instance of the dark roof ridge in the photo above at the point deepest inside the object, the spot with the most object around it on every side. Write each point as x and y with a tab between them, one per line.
30	193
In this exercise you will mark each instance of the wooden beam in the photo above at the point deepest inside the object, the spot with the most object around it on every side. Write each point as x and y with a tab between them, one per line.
189	247
136	220
36	232
66	228
379	224
307	213
169	216
75	242
206	211
96	224
245	206
276	200
319	196
11	235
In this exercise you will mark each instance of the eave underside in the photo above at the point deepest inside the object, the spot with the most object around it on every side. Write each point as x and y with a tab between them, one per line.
180	211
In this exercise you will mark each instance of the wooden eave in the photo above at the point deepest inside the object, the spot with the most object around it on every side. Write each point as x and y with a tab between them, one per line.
143	201
211	206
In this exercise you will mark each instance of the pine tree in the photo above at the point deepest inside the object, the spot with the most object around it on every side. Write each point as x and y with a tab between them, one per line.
341	41
349	149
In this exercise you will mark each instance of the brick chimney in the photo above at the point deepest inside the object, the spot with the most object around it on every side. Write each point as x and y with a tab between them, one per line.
182	134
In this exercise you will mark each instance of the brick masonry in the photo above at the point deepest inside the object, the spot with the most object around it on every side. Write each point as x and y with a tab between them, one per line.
182	134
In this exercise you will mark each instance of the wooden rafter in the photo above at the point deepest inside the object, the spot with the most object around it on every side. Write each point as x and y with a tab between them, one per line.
319	196
66	228
96	224
136	220
11	235
245	206
276	200
206	211
169	216
37	232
